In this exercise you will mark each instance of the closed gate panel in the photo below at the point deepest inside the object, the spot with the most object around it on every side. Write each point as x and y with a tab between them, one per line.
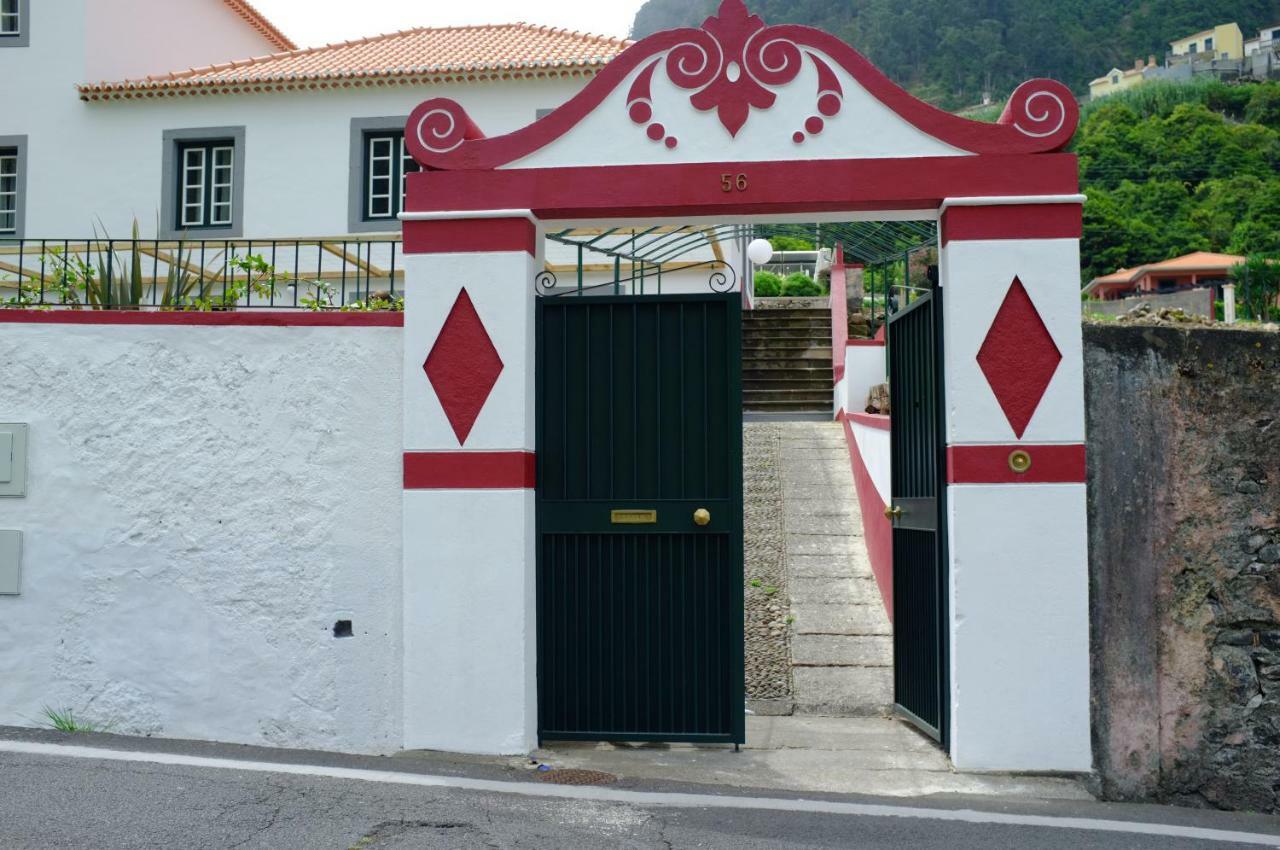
919	579
639	606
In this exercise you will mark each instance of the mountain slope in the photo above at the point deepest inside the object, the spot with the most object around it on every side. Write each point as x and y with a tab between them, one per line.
950	51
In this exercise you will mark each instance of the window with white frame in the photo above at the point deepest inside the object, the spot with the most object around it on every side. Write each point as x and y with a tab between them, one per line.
10	18
386	165
206	184
8	191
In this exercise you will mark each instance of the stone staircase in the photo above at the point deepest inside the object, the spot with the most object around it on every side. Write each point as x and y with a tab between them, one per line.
786	360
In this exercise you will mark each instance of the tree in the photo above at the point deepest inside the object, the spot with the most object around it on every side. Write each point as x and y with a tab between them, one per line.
1257	282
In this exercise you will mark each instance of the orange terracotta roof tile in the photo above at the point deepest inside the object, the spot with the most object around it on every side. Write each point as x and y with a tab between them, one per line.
1196	260
259	22
409	56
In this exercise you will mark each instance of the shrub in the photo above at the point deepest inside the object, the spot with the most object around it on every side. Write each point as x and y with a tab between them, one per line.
768	285
800	285
790	243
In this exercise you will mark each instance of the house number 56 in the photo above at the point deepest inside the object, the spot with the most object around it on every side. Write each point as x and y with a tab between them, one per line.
733	182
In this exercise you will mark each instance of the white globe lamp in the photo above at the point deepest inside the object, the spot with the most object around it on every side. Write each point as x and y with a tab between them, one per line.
760	252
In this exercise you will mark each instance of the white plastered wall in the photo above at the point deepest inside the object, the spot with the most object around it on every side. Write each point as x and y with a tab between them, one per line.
204	503
1019	642
864	368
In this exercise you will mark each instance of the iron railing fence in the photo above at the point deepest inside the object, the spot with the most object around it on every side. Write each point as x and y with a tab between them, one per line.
203	274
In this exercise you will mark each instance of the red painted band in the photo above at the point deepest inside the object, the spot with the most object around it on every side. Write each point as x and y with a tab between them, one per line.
682	190
990	464
854	343
469	470
250	318
1014	221
878	421
469	236
877	531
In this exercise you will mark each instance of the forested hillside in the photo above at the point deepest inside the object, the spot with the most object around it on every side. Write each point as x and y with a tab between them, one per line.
1172	169
949	51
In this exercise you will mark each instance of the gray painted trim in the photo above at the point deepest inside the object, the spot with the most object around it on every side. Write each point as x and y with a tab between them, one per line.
355	179
23	38
19	142
169	183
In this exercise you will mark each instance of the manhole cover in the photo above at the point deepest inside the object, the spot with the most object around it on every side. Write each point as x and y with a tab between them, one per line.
577	776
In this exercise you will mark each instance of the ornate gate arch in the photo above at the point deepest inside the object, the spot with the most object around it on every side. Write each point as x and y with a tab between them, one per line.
739	121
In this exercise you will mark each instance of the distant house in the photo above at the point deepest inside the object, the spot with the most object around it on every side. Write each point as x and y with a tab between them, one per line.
1268	41
1116	80
1220	52
1225	41
1196	270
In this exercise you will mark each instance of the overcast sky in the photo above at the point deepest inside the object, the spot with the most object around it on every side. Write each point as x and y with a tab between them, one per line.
310	23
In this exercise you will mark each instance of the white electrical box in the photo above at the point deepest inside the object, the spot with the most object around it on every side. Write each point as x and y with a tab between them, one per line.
10	562
13	460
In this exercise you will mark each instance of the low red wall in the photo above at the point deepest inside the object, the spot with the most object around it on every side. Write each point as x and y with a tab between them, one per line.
876	528
254	316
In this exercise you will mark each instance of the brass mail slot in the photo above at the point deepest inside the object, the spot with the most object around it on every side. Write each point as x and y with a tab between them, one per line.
633	517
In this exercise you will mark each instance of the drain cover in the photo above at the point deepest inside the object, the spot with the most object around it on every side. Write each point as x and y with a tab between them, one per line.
577	776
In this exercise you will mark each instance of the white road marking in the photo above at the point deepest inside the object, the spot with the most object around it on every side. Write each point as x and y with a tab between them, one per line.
648	799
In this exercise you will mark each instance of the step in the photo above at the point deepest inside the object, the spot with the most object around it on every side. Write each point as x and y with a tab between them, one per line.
807	352
812	397
822	331
807	364
783	373
817	390
785	338
769	370
800	322
762	384
775	406
783	315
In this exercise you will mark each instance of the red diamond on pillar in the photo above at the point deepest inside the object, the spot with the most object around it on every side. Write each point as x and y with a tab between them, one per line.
1018	357
463	366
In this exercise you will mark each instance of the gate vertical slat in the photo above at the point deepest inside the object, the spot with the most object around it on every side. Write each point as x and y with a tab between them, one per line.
917	468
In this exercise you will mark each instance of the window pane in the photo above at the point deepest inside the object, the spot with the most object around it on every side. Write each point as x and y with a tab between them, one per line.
10	23
206	190
8	190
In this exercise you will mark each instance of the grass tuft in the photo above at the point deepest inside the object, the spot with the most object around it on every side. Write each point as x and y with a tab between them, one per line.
66	721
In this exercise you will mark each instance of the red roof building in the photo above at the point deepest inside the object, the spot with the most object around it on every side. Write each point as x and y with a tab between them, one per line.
1189	271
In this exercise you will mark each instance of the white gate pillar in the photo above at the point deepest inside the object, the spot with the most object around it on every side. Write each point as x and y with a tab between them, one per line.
469	637
1016	513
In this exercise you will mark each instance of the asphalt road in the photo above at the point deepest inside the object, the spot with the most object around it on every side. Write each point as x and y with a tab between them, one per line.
102	797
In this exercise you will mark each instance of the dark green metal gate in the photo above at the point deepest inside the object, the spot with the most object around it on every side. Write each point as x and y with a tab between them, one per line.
919	538
639	429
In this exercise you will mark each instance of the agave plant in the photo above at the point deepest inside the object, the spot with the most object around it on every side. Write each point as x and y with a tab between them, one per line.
114	286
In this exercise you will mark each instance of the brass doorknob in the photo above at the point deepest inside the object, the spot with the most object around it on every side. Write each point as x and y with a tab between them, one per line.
701	516
892	512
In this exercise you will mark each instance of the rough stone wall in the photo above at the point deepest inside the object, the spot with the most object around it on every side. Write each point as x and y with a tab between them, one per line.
204	503
1193	302
1184	508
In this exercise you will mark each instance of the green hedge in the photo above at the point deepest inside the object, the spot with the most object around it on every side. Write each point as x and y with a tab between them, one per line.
768	285
800	285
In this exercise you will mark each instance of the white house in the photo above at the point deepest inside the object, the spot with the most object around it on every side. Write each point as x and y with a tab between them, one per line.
103	127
